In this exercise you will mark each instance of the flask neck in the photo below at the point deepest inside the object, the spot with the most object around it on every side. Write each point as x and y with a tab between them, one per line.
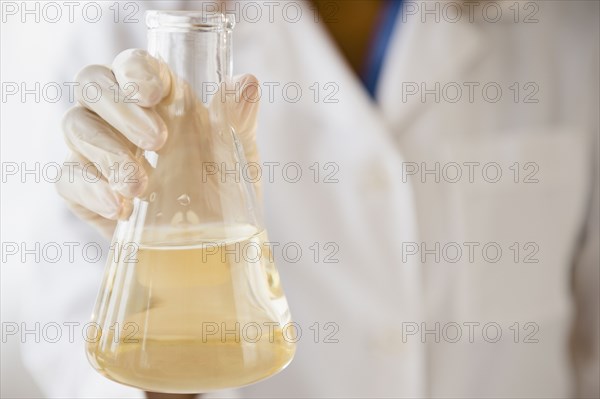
196	47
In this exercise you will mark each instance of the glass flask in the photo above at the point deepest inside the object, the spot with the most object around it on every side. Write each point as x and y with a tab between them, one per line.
191	300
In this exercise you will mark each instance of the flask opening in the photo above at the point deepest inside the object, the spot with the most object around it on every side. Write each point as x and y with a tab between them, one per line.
189	20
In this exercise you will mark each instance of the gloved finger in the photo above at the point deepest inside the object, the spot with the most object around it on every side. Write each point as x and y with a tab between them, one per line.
88	135
147	78
81	183
99	92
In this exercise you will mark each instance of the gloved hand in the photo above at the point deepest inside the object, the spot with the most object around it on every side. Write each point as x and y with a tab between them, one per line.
109	131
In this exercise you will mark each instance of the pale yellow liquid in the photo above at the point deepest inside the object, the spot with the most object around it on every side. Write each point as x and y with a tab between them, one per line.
167	306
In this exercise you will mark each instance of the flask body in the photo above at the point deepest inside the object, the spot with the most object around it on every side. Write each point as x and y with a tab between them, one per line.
191	299
193	318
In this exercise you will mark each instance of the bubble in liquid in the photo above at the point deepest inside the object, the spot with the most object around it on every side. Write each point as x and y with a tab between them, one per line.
184	199
152	197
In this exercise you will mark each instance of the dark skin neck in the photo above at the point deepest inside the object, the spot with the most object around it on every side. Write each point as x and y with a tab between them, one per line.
351	24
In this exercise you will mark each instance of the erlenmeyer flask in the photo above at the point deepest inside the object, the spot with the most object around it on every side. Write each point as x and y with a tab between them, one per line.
191	300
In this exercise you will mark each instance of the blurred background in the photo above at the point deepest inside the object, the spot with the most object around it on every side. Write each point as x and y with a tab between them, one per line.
439	124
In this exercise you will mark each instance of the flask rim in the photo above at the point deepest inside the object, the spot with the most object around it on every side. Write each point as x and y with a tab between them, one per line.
189	20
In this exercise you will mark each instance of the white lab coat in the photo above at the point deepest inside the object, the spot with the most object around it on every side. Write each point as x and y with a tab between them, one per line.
374	211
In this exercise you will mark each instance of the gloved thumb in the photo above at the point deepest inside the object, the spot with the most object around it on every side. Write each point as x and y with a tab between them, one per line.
244	113
241	97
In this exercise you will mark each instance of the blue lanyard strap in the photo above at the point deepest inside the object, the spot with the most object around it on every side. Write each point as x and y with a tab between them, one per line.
376	56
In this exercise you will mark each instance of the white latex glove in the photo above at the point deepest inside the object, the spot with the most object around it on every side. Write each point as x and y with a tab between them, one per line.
109	131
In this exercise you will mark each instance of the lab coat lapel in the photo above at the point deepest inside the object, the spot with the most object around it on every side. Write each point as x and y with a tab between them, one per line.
419	56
